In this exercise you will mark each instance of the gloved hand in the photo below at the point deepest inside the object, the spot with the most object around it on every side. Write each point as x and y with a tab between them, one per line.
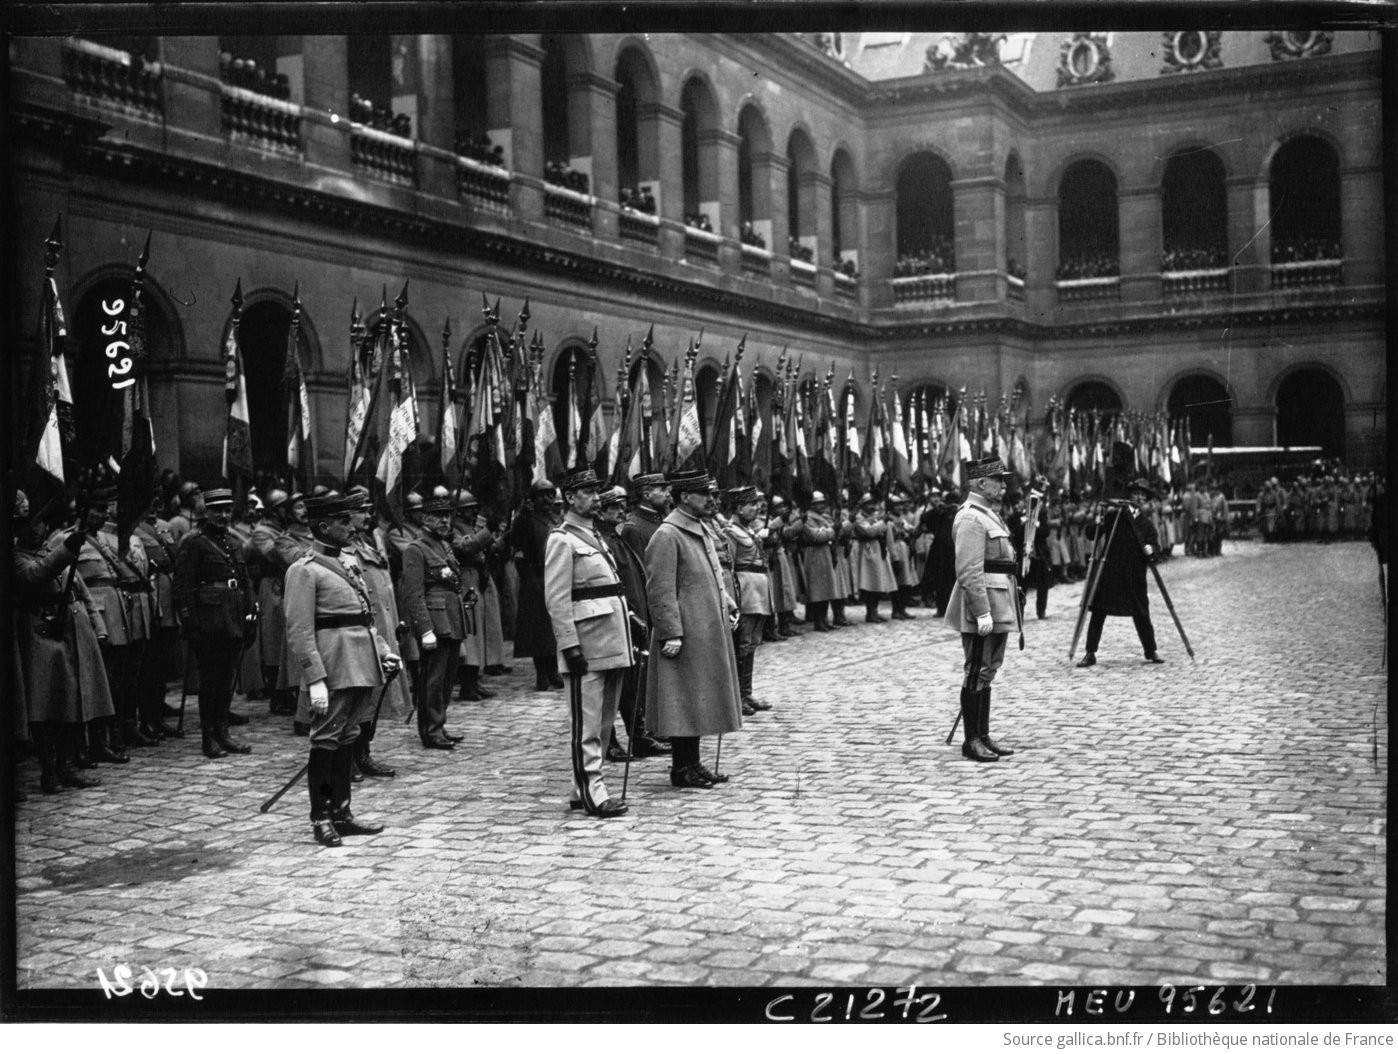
320	697
671	648
429	641
984	624
74	542
390	665
573	656
1150	550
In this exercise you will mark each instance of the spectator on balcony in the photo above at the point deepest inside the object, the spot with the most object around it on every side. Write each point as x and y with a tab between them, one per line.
1303	249
1202	258
1089	265
748	235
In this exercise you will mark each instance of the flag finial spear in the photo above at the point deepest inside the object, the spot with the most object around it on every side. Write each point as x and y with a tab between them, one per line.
649	342
237	298
296	301
401	301
145	254
495	313
485	308
354	309
446	334
524	316
52	245
592	344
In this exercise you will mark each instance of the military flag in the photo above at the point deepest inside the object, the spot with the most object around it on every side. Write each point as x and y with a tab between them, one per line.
54	398
237	438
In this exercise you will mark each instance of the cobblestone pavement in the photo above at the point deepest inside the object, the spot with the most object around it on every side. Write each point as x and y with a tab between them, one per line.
1216	821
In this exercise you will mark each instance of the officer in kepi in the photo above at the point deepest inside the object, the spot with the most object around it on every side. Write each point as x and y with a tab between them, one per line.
217	614
984	605
342	659
586	603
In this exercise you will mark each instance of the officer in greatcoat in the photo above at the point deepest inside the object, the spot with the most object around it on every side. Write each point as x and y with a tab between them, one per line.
472	539
693	671
1121	589
58	636
586	602
818	555
984	603
341	659
872	568
438	609
754	591
217	614
648	513
533	636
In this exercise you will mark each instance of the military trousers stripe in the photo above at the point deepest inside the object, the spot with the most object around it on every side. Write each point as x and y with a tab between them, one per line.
592	702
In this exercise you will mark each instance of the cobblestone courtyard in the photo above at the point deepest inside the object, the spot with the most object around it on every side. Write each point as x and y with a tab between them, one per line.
1217	821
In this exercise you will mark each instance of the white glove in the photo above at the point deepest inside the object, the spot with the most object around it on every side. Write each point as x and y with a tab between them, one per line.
984	624
671	648
320	697
1150	550
429	641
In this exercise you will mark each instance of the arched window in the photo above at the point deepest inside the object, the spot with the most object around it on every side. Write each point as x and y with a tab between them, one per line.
1311	412
1194	212
94	401
754	191
553	89
801	197
1087	222
925	217
844	215
1305	202
371	99
262	337
1094	395
637	135
627	145
1016	253
699	160
1205	404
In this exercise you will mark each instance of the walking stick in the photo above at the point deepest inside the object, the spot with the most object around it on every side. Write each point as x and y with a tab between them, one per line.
637	716
977	659
301	772
718	754
1094	578
1164	593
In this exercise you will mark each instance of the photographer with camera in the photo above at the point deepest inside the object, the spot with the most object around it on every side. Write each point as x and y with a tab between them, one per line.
1121	587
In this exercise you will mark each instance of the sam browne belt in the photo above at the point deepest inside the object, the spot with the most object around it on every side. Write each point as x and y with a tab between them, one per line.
343	621
999	567
597	592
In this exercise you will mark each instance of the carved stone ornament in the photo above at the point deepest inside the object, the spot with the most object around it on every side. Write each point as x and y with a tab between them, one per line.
1192	49
1299	43
969	52
1084	59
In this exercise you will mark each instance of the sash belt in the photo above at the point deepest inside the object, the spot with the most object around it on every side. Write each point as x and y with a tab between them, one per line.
999	567
598	592
343	621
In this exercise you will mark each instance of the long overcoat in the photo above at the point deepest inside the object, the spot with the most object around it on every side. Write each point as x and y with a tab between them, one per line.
62	679
817	553
374	563
533	629
696	692
872	571
749	574
1122	588
471	541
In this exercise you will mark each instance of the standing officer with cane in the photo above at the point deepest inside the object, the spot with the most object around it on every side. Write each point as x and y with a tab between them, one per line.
984	605
341	659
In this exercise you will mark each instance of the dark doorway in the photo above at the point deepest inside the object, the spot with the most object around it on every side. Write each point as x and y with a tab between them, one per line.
1311	412
1207	407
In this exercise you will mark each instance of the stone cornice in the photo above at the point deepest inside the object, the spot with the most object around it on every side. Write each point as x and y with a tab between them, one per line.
121	160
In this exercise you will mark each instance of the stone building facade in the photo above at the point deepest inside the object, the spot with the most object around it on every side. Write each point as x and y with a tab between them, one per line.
1206	239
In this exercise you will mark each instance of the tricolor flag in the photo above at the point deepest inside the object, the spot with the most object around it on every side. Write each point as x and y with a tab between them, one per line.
300	457
51	370
237	439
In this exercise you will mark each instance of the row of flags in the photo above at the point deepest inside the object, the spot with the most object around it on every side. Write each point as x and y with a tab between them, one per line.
495	428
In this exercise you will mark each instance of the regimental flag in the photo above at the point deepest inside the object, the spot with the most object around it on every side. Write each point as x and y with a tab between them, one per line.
358	395
664	430
902	464
638	423
300	457
689	440
620	420
403	417
50	371
448	423
572	437
723	439
237	438
955	448
874	435
595	448
761	442
853	454
136	473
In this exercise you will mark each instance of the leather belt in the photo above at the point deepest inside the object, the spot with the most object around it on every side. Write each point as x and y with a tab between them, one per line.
598	592
999	567
758	569
343	621
231	583
90	582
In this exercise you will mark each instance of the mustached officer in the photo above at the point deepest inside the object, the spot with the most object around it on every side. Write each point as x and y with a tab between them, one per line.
984	605
586	603
341	658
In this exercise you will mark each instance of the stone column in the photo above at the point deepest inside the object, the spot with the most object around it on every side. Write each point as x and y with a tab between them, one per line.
978	203
1250	237
718	176
515	115
193	99
1041	246
435	122
815	188
1140	238
660	163
769	205
592	136
879	248
1361	225
324	125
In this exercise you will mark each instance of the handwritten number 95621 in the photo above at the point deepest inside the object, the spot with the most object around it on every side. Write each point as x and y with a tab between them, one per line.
152	982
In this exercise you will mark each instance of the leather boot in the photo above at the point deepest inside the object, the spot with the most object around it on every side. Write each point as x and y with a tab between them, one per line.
973	748
101	746
65	748
134	736
320	782
745	666
838	606
227	742
990	744
367	764
341	815
871	611
769	631
46	748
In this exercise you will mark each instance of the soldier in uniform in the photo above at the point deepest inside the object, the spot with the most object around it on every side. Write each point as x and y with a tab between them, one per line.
188	511
585	598
396	539
901	557
250	664
1270	503
58	636
652	503
435	602
373	562
984	604
341	658
873	571
1121	589
692	679
754	591
783	525
216	608
120	586
818	556
471	541
163	649
276	551
631	567
533	630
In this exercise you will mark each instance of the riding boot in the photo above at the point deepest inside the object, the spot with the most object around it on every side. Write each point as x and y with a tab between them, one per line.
64	742
320	782
973	747
871	608
100	746
41	733
769	631
990	744
341	814
208	731
838	607
227	742
542	681
364	760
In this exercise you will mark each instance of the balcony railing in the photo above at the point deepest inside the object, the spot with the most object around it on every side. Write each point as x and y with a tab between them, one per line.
570	206
845	285
639	226
1014	287
264	121
757	261
701	245
803	273
1301	273
383	155
481	184
110	77
921	287
1194	283
1072	290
